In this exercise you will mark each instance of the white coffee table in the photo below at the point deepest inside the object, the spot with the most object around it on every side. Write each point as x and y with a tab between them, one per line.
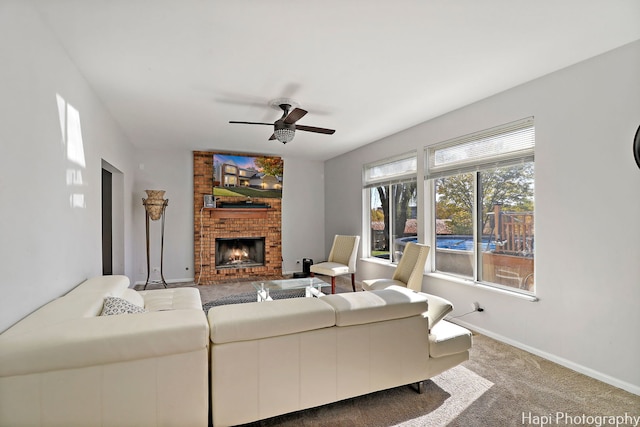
313	287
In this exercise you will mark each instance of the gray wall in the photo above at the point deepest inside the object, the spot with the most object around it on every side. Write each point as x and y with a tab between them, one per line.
587	210
50	181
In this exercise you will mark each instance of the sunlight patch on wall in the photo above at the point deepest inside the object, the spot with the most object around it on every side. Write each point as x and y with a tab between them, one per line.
74	177
72	142
62	114
75	149
76	200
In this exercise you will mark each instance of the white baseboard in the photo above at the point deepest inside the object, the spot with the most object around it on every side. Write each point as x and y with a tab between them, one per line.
616	382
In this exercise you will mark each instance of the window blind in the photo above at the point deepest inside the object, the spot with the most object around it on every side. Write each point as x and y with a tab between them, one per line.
392	170
500	146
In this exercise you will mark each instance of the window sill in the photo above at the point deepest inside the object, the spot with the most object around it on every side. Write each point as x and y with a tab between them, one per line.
468	282
378	261
461	281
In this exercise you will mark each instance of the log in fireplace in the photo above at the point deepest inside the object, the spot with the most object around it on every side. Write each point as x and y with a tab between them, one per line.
239	252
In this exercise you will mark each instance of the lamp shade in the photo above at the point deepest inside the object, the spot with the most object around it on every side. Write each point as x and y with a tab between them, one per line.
284	135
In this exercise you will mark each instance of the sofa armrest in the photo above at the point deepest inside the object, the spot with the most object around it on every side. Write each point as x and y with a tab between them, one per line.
447	338
438	309
103	339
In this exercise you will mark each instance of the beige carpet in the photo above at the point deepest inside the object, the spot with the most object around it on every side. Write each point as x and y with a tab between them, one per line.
499	386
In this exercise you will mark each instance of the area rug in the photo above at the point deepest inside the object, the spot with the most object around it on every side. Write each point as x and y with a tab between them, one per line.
253	297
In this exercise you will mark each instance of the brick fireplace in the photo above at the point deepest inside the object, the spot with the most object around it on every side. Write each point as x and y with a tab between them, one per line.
232	228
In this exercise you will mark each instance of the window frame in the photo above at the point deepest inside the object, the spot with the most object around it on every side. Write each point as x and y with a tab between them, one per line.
524	155
389	180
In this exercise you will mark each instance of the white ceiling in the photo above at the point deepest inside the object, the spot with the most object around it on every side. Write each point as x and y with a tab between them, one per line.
174	72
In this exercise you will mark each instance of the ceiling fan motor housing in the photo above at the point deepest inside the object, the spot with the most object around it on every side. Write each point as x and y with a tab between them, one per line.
280	124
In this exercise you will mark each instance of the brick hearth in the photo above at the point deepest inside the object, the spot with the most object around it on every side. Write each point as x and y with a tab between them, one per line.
210	223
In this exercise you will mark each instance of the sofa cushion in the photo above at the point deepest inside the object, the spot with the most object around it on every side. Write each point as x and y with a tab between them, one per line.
438	308
250	321
115	305
133	297
394	302
171	299
447	338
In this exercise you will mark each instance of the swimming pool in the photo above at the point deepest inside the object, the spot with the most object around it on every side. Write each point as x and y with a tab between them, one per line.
464	243
455	242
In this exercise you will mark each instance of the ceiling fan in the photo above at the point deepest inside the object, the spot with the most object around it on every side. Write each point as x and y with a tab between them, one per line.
284	129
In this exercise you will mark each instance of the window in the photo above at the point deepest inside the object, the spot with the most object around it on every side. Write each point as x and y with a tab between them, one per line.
391	200
483	189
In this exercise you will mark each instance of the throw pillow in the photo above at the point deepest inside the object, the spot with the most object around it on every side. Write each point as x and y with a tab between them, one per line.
115	305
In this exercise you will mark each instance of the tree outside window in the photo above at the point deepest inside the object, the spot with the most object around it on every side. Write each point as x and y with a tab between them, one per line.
483	186
505	225
392	202
393	219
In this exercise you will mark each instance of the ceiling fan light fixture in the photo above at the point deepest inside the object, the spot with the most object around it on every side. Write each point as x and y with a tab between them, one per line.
284	135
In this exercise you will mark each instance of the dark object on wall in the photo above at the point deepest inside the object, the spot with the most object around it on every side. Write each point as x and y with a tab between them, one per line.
636	147
306	268
209	201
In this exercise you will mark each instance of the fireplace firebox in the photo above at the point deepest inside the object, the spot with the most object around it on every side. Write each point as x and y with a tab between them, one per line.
239	252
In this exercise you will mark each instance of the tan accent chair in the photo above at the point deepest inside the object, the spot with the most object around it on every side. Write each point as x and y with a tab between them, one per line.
409	271
342	260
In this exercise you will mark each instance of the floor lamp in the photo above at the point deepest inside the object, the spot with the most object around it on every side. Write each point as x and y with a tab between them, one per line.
154	207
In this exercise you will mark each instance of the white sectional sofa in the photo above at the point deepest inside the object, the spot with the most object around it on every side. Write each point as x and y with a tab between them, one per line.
68	365
281	356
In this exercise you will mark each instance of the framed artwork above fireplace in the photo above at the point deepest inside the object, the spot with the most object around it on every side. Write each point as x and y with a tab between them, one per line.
236	175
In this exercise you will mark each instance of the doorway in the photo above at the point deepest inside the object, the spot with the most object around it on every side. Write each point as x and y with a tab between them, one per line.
112	220
107	222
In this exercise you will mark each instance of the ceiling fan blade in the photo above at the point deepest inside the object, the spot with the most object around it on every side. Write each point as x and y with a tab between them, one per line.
251	123
315	129
295	115
273	136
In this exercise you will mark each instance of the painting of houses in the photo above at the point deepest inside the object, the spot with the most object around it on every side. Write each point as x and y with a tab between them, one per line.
243	175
